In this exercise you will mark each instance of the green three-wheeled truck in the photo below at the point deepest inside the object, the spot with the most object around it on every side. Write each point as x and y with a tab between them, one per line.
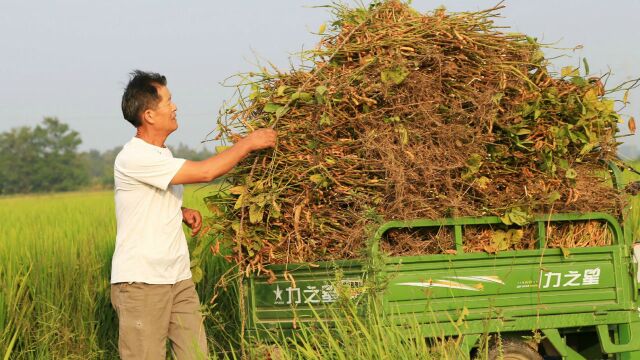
582	301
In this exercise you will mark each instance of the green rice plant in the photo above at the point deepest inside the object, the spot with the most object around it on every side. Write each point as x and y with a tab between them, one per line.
54	264
55	261
633	216
345	334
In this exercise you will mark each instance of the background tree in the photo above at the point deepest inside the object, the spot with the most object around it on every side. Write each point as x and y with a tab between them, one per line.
45	159
100	166
41	159
185	152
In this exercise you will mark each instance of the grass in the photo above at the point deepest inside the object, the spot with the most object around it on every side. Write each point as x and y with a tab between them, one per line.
55	258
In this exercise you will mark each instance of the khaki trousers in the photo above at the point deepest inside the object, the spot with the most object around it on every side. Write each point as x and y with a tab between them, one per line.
149	314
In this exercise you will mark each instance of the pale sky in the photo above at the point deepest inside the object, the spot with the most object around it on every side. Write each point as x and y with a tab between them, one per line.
71	58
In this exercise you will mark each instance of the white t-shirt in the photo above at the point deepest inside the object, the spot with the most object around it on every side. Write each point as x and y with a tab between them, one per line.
150	244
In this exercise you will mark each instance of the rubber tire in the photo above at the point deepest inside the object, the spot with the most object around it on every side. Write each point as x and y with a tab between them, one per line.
513	349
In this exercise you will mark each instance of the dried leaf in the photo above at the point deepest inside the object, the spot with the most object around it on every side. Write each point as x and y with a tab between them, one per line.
238	190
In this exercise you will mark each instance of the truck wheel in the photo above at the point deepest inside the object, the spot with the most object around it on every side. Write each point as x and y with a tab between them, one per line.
513	349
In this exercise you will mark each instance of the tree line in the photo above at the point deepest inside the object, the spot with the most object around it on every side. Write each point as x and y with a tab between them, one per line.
45	158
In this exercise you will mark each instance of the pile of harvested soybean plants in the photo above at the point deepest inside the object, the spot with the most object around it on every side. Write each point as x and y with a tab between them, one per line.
403	115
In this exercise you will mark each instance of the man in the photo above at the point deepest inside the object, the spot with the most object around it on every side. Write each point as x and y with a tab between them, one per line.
151	287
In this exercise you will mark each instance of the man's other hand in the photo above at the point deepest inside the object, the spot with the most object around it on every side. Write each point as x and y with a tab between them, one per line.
192	219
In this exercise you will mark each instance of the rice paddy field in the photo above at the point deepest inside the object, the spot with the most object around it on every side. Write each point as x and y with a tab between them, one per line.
55	254
55	259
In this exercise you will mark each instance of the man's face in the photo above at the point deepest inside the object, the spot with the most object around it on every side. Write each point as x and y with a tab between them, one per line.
164	115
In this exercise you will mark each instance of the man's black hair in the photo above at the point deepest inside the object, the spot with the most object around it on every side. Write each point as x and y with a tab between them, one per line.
141	94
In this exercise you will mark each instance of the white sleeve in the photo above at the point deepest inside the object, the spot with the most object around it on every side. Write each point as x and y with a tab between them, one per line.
156	171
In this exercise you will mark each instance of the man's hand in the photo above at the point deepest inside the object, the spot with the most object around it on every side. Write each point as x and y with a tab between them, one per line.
261	139
192	219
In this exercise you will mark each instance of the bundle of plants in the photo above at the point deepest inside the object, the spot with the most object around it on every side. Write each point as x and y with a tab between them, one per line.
404	115
579	234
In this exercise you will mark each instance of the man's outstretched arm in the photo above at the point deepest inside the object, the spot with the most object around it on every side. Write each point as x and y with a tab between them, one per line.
218	165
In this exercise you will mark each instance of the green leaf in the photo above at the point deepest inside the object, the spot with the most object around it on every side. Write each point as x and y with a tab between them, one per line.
235	226
320	94
404	135
563	164
195	262
506	220
580	81
254	94
497	97
536	113
569	71
221	148
571	174
241	202
255	213
394	75
474	162
322	28
325	119
498	240
483	182
271	108
281	111
587	148
553	197
260	199
317	178
516	216
537	57
514	236
198	250
321	90
302	96
501	240
196	274
274	210
586	66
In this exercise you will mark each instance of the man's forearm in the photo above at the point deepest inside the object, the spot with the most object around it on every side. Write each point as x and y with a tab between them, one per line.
218	165
223	162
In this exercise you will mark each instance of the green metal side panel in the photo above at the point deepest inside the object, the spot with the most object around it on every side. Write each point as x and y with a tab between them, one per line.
508	291
521	283
313	291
